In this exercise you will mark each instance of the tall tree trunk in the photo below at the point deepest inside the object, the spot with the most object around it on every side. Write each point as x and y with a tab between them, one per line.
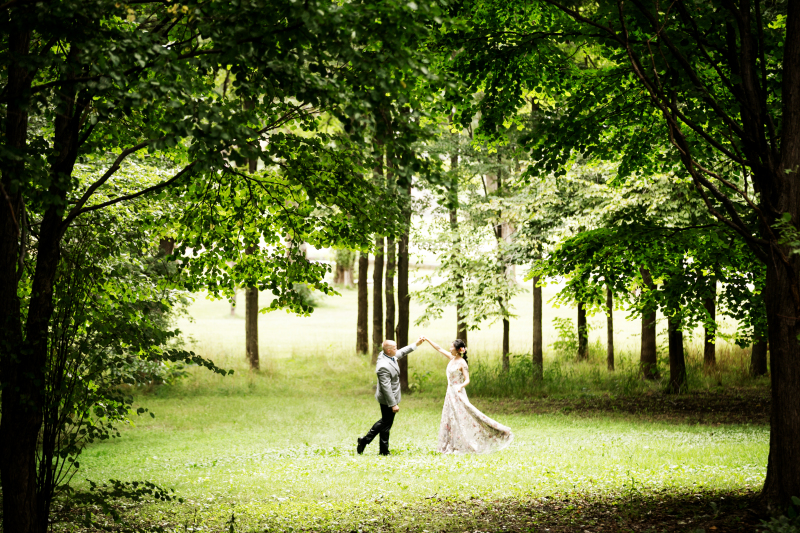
251	294
709	346
403	302
377	300
758	357
677	362
782	294
538	348
25	508
461	326
583	334
648	358
783	468
391	254
609	329
251	327
362	328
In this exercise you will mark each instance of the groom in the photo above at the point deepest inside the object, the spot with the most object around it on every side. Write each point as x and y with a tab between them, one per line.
387	393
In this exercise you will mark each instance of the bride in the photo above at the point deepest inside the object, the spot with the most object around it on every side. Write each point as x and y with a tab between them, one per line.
464	429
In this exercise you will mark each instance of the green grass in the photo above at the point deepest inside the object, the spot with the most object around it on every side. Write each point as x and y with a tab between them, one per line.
276	449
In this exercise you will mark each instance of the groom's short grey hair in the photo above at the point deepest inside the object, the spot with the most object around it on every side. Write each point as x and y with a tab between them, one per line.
388	342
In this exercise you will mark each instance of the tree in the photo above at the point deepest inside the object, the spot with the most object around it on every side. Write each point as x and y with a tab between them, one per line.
610	329
362	320
537	349
377	299
712	94
115	87
391	254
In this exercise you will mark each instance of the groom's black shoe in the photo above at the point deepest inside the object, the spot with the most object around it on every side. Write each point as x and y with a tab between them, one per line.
362	443
384	452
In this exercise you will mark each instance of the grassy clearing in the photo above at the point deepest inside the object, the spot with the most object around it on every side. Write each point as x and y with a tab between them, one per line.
275	450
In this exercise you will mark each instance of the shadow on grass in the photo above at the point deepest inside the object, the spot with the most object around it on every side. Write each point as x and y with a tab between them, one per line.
718	512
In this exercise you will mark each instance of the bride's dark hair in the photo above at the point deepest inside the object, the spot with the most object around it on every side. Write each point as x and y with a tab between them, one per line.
458	344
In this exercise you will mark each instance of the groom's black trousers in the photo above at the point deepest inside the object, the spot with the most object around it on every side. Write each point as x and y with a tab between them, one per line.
382	427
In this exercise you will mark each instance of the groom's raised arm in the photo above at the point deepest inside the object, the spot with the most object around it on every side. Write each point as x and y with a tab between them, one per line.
402	352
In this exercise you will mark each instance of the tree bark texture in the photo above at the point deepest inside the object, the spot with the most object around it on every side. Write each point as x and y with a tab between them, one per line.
781	194
583	334
391	265
709	346
362	325
648	358
783	469
677	362
609	330
403	304
537	355
251	327
251	297
758	357
377	300
23	358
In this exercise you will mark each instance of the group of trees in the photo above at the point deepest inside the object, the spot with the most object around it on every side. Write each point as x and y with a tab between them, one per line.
646	152
702	94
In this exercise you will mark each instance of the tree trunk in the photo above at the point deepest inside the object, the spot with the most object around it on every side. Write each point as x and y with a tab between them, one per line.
377	300
538	348
709	346
461	325
783	469
403	304
610	329
677	362
251	296
391	251
506	350
758	357
583	334
782	294
362	328
251	323
25	509
251	327
648	358
19	427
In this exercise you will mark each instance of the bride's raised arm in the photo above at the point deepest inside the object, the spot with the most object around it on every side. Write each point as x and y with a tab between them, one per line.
440	349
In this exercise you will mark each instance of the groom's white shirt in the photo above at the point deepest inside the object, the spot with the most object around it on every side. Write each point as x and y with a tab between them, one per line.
388	371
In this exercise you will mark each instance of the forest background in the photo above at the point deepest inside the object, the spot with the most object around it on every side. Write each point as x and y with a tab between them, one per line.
641	158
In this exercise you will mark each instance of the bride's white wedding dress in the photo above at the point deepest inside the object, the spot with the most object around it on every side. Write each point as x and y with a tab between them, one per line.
464	429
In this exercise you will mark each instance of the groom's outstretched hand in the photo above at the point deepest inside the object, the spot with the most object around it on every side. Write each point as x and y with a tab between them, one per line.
421	340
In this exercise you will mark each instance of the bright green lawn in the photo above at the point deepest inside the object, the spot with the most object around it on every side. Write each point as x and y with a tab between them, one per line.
277	448
281	444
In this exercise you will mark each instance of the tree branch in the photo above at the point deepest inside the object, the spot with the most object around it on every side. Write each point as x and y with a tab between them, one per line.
75	211
127	197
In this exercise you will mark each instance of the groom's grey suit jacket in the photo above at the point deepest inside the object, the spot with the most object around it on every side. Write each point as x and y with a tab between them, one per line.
388	391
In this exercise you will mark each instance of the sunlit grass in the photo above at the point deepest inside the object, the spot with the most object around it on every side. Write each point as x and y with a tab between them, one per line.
278	447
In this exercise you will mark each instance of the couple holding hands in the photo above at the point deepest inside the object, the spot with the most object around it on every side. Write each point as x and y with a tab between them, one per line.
463	429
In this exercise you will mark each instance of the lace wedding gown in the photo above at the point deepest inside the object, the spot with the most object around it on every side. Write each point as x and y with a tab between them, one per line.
464	429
